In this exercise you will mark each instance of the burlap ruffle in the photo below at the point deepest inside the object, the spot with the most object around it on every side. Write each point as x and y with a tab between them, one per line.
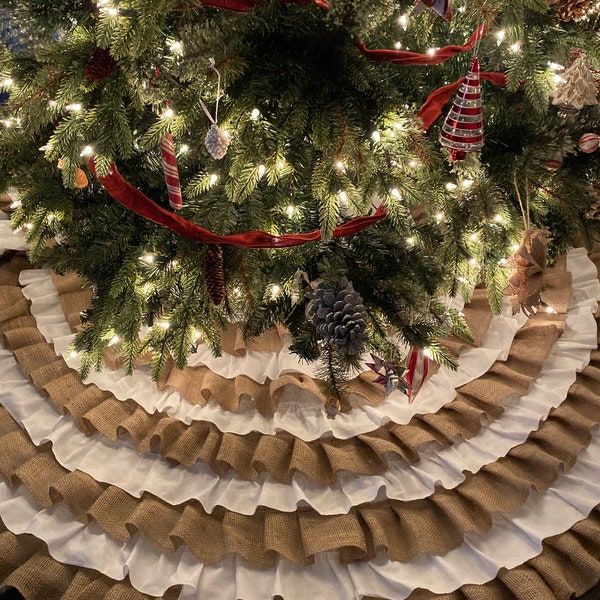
283	454
26	566
404	529
199	384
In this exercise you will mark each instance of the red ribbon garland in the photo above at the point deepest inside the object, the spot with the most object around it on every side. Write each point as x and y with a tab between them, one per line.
122	191
402	57
129	196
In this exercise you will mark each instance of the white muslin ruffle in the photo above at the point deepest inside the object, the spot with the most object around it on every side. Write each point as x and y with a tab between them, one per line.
302	417
512	540
445	466
9	239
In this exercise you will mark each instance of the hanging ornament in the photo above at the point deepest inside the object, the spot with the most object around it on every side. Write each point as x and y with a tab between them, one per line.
169	162
214	274
389	375
217	140
441	7
81	180
416	373
554	163
594	210
578	88
339	316
462	131
588	142
524	287
100	65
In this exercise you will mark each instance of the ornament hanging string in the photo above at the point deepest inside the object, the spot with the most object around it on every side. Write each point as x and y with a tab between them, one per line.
214	120
129	196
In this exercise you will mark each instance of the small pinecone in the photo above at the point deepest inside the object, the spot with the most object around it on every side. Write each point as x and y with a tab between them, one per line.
338	315
567	10
594	211
216	142
214	274
100	65
85	316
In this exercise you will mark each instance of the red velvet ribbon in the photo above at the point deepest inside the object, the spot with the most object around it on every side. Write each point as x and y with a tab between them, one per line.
402	57
122	191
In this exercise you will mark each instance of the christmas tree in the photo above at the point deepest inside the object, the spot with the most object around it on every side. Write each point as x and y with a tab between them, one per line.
202	164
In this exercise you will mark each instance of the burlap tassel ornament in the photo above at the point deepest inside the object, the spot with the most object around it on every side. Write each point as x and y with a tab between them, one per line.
528	263
594	210
214	274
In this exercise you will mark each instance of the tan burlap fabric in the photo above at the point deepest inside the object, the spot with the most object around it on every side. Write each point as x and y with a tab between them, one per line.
281	454
405	529
200	385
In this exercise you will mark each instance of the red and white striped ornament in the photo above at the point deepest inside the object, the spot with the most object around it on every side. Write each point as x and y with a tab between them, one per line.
554	163
589	142
416	373
462	131
169	162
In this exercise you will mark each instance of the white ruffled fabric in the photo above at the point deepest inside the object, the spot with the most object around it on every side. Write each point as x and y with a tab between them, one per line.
113	462
302	414
9	239
513	539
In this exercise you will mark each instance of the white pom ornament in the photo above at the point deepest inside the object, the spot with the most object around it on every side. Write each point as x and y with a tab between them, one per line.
589	142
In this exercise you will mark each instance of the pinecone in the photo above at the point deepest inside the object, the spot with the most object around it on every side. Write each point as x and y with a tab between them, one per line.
214	275
567	10
100	65
216	142
338	315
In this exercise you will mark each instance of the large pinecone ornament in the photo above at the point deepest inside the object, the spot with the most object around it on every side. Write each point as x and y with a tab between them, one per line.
100	65
216	142
214	275
338	315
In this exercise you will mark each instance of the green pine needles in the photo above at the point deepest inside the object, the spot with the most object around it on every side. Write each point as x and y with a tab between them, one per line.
320	134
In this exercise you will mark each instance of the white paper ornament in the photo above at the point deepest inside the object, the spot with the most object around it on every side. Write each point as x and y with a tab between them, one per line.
588	142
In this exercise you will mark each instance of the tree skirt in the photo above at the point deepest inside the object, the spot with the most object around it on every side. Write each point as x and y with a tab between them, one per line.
227	481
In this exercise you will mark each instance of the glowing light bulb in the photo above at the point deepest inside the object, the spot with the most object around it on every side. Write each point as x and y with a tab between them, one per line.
451	186
473	237
439	217
261	170
515	48
463	280
112	11
431	51
558	79
176	47
29	226
467	183
87	151
500	35
7	123
498	219
515	247
184	148
255	113
167	114
472	262
164	324
74	107
413	164
555	66
410	241
396	193
15	204
403	21
503	261
275	289
213	179
148	258
115	339
398	45
280	164
376	136
7	82
290	211
343	196
551	310
427	352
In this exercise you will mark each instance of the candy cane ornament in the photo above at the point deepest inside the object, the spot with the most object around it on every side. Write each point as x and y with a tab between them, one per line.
169	162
